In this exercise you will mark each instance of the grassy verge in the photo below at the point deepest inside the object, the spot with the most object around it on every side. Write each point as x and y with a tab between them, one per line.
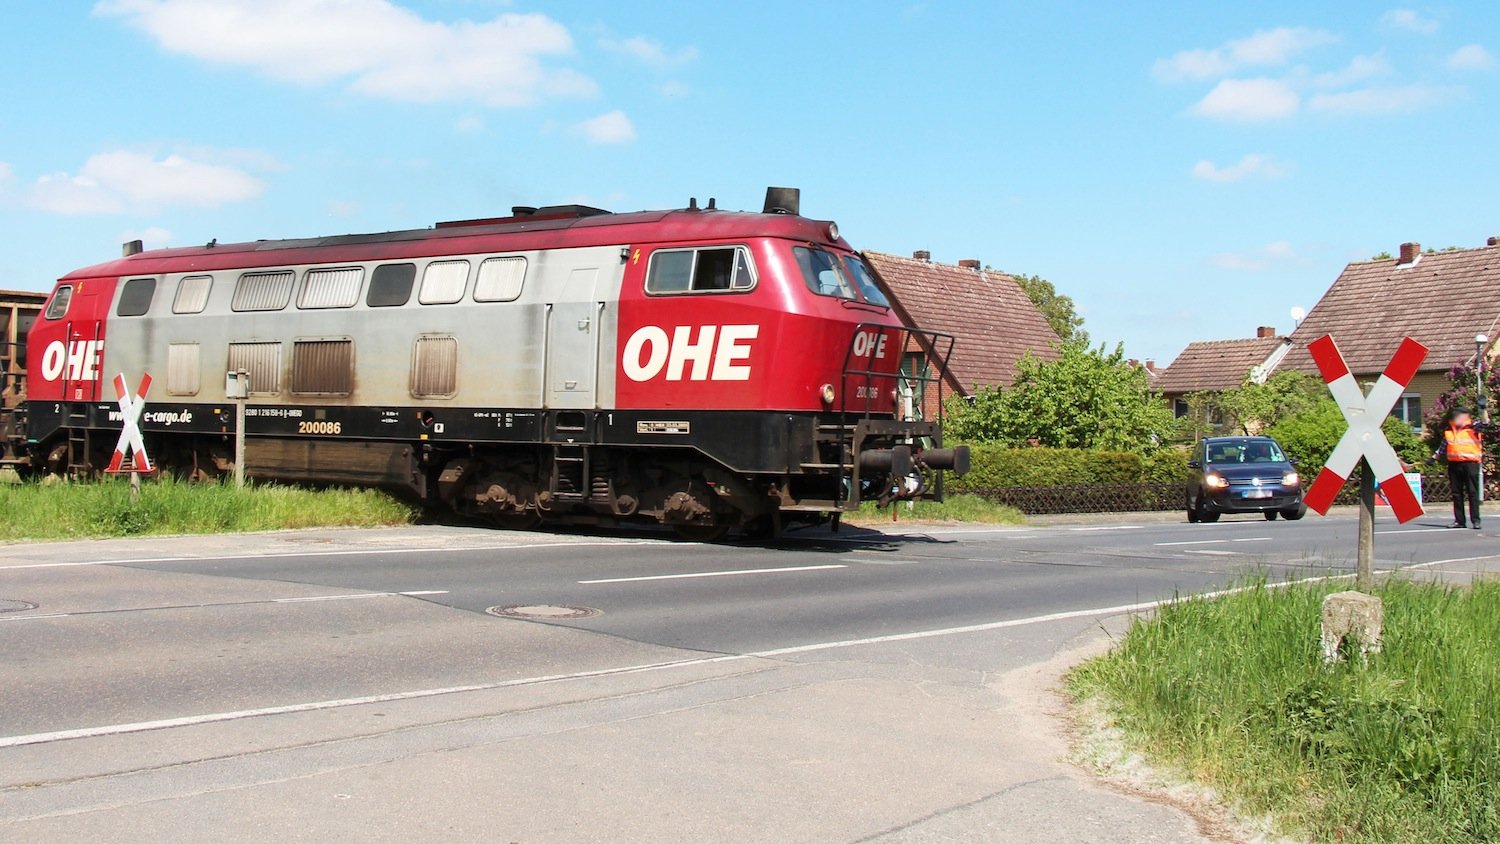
88	510
1232	693
957	508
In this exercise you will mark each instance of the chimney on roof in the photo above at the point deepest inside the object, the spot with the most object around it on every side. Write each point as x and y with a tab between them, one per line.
1494	241
969	263
1266	331
1150	365
1409	252
922	255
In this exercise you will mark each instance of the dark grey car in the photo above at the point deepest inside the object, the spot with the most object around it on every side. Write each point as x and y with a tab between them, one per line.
1242	475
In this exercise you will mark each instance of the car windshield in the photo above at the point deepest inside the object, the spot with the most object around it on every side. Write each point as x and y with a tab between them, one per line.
1244	451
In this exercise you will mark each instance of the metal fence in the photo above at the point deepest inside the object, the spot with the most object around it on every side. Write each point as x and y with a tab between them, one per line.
1148	497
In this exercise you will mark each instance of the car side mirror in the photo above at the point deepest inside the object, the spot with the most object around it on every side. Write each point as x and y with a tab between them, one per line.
1193	464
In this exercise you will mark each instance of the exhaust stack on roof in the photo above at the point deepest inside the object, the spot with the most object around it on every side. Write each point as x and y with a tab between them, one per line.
783	201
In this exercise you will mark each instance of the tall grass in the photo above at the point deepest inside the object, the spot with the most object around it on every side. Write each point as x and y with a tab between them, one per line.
1233	693
68	510
955	508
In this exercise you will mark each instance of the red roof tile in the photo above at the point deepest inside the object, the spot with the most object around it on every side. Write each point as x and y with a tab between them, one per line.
990	315
1442	300
1216	364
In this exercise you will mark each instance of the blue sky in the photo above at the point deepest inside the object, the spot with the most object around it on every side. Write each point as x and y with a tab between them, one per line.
1184	171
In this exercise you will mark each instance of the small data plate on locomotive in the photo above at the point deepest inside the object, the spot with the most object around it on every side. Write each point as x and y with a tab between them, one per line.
663	427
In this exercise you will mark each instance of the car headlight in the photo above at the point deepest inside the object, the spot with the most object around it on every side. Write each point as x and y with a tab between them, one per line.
1216	481
1290	479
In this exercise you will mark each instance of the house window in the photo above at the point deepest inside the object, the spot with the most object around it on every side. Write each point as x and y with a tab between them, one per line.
1180	408
1409	410
915	375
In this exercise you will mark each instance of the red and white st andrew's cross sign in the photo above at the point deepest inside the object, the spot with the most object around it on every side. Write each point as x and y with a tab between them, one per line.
1364	439
130	433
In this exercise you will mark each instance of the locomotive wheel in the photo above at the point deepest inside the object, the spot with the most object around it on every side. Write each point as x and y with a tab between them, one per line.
701	533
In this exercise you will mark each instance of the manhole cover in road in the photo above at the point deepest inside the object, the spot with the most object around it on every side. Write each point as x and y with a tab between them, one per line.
7	605
545	612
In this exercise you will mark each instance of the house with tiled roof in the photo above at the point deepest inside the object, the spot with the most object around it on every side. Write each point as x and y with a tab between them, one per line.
1211	366
1442	299
995	324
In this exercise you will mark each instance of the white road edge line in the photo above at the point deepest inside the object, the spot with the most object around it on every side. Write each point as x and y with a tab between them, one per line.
710	574
218	717
357	595
1106	527
413	594
1192	542
351	552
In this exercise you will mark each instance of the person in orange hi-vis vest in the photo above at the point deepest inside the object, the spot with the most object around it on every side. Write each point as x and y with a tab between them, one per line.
1462	450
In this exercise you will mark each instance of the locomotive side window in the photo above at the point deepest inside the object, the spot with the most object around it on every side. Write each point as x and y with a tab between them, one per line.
58	307
443	283
183	369
390	285
337	288
263	291
434	367
500	280
135	298
323	367
821	272
262	361
192	294
723	269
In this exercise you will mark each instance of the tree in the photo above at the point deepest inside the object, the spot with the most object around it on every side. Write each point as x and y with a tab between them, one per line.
1087	398
1057	308
1252	407
1310	434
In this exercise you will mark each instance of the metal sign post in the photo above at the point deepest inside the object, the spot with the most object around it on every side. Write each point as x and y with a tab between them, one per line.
237	387
1364	445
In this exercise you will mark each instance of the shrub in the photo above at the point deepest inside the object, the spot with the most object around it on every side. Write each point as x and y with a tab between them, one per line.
994	466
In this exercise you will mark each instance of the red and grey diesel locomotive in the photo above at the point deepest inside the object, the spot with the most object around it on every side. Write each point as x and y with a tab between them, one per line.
700	368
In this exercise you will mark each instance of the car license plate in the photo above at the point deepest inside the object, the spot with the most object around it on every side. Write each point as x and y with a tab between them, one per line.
1256	493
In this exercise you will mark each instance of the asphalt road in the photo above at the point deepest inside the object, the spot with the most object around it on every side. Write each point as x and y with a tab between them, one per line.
860	686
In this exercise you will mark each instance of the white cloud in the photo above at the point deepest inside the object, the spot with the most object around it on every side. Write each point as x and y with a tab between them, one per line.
153	237
1273	255
1378	101
1471	57
609	128
123	181
1267	48
374	47
649	51
1249	100
468	124
1359	69
1409	20
1255	165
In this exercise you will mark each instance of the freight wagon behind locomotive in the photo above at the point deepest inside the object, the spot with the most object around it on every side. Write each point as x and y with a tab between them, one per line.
700	368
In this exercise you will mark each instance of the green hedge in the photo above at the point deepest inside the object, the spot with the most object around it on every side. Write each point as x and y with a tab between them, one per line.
997	467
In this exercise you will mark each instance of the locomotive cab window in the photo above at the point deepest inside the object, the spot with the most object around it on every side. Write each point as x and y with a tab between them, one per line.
192	294
718	270
822	273
58	307
390	285
135	298
869	290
